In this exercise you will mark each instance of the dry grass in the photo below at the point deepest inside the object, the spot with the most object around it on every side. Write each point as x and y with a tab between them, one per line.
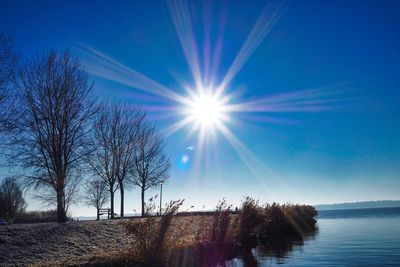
169	240
68	243
90	243
155	238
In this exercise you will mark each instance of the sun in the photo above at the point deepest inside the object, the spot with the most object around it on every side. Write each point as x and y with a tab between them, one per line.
206	110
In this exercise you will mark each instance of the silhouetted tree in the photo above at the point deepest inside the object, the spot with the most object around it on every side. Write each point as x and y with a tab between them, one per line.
12	201
96	194
126	122
71	191
56	108
101	161
150	164
8	64
115	135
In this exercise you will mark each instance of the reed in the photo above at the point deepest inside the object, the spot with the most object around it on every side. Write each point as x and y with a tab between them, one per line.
174	238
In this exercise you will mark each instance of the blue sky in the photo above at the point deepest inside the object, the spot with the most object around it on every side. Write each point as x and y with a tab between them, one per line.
345	151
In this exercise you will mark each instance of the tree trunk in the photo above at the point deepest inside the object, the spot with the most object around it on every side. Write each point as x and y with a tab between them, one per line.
121	190
98	214
112	202
143	212
61	216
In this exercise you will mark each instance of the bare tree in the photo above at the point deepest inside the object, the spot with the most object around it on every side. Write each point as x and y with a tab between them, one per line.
115	135
57	108
71	189
126	123
101	160
150	164
12	201
96	194
8	64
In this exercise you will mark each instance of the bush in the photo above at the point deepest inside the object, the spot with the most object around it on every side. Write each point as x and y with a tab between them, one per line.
37	216
12	202
271	222
287	221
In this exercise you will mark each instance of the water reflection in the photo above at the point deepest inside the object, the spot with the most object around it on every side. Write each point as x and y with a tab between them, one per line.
233	255
282	247
271	252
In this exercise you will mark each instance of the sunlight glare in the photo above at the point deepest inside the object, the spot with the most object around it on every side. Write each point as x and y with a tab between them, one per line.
206	110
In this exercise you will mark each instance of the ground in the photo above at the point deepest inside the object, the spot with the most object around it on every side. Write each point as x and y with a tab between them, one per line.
108	242
71	242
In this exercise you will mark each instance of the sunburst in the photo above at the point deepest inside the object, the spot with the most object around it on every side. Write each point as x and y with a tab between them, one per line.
210	110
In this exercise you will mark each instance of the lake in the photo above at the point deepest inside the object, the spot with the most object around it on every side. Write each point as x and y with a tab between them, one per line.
364	237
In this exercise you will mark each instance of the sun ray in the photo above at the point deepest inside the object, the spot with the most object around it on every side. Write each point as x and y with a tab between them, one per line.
181	18
249	159
177	126
102	65
265	22
199	152
320	92
311	100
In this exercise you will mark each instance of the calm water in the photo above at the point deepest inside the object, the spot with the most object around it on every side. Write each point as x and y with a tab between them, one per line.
369	237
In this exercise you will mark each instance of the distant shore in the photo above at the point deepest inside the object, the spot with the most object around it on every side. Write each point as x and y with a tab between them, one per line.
360	205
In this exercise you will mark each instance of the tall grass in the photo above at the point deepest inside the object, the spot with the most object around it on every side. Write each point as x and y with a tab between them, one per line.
251	218
170	239
154	237
287	221
274	221
221	222
229	234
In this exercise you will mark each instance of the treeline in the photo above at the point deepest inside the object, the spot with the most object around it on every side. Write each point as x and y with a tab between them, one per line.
12	202
36	216
54	132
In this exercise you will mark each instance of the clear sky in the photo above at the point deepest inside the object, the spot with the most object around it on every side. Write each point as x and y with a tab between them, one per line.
310	89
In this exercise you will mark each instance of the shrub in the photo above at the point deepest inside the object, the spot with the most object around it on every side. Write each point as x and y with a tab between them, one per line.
287	221
38	217
269	222
12	202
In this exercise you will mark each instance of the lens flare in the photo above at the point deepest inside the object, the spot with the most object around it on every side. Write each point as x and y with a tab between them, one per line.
185	159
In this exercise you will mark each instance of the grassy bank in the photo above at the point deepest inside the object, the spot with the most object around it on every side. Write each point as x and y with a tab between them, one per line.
170	240
71	242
